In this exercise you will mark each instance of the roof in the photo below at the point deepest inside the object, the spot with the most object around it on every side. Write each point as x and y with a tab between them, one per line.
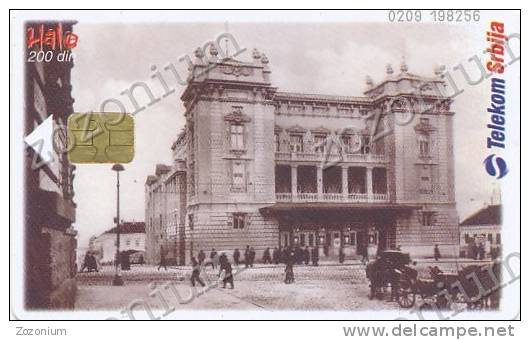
162	169
128	228
492	214
151	179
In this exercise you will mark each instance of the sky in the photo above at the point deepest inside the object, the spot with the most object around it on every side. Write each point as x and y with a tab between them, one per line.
326	58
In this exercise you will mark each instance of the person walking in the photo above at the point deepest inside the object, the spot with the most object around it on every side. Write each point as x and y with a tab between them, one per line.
275	256
225	271
86	262
437	254
289	271
195	271
247	256
267	256
341	255
314	256
201	257
162	261
236	257
306	255
252	255
213	258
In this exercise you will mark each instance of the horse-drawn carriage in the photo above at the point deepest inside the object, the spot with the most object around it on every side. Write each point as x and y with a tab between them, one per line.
473	285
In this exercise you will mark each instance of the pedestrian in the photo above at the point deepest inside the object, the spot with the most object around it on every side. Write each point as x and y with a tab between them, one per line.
236	257
252	257
201	257
341	255
195	271
86	262
306	255
283	255
314	256
225	271
267	256
213	258
275	256
162	261
298	255
289	272
247	256
437	254
364	252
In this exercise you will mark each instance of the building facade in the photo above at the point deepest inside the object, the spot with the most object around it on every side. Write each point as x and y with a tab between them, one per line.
132	242
267	168
50	239
165	209
482	229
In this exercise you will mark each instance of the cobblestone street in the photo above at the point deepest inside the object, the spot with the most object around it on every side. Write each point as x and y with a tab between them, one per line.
329	286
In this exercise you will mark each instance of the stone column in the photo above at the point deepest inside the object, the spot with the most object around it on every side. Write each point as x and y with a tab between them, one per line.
294	182
345	182
369	184
319	183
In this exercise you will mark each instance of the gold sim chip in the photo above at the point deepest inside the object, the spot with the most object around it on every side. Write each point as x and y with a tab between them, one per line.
100	138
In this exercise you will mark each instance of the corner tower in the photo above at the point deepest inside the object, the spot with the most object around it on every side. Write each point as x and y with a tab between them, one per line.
417	120
230	162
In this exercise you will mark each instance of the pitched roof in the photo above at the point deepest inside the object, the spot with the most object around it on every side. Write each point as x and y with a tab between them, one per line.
128	228
492	214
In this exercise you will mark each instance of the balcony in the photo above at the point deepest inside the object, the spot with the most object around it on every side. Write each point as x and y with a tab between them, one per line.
330	157
332	197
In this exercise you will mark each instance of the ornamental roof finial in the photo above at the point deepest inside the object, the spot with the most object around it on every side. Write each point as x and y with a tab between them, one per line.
389	69
404	68
256	54
264	59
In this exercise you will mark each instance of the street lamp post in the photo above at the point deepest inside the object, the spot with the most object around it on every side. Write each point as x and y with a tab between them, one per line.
117	281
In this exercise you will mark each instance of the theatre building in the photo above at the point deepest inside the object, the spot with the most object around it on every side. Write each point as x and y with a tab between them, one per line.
268	168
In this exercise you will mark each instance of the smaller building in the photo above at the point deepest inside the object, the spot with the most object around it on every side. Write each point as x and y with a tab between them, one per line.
165	208
481	230
132	241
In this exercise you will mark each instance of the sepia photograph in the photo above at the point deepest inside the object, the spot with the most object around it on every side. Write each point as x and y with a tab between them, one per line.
237	165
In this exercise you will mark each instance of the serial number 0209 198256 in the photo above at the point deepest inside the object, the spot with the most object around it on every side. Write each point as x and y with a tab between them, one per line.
445	15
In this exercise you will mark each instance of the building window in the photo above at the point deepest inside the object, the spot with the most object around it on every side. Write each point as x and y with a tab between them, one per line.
239	220
238	175
137	242
425	180
498	238
424	144
302	240
311	240
466	238
427	218
128	243
297	143
237	136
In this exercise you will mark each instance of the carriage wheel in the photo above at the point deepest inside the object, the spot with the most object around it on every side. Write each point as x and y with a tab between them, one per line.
406	297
